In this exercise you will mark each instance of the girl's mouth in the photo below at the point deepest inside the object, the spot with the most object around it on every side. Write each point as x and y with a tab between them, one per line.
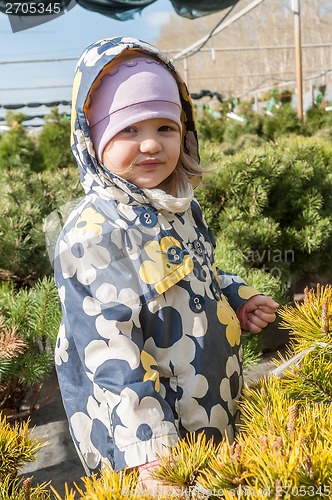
149	164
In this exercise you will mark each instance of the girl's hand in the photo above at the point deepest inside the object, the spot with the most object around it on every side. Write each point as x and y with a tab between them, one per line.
257	312
147	484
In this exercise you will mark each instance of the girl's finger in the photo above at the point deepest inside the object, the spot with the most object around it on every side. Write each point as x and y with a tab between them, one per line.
269	316
267	309
257	321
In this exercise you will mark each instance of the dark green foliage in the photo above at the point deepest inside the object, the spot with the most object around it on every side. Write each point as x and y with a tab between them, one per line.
252	349
14	118
245	140
211	155
33	311
283	122
54	141
324	133
317	119
26	199
256	129
251	126
209	127
286	96
275	204
27	196
232	260
30	320
21	243
233	131
18	151
228	131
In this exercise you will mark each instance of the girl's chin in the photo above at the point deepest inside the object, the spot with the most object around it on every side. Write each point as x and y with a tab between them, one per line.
146	183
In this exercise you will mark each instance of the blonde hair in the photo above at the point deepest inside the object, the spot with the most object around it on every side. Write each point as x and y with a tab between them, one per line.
186	170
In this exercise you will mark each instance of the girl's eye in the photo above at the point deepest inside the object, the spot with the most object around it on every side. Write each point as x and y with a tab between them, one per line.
128	129
167	128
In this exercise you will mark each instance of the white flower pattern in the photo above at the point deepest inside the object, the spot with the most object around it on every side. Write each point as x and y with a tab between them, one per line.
107	294
133	239
232	368
145	423
60	352
73	252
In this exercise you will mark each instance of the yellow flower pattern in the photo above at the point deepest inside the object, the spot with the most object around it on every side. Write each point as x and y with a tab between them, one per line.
245	292
149	364
90	222
227	316
76	86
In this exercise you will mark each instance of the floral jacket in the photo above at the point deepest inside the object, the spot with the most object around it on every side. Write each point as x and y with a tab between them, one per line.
149	345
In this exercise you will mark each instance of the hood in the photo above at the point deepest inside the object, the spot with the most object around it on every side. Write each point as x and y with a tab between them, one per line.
91	67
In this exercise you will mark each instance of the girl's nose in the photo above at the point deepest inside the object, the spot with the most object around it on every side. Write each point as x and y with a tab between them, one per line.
150	145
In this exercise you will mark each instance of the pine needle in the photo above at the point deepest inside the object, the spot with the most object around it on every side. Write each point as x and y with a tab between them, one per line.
16	447
11	343
183	462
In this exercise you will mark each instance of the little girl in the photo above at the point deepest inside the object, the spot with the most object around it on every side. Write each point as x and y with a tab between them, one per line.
149	346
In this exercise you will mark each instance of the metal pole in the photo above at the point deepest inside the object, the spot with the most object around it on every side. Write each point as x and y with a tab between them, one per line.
223	26
298	56
185	71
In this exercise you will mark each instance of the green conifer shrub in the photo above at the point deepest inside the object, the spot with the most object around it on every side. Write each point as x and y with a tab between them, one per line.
283	122
17	149
210	128
18	447
29	323
237	135
243	141
233	132
54	141
26	199
275	204
317	119
211	154
257	128
231	259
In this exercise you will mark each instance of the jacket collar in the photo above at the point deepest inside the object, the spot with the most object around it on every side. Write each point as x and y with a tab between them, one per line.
112	187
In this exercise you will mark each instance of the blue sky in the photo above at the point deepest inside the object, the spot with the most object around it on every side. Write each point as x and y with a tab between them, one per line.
66	36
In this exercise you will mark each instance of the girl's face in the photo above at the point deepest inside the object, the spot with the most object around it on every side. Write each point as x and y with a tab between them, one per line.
146	153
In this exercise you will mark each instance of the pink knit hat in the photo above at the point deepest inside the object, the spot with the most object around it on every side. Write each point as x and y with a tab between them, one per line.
139	89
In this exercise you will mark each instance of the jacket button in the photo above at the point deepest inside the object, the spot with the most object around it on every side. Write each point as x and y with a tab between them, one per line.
148	218
198	247
197	303
175	254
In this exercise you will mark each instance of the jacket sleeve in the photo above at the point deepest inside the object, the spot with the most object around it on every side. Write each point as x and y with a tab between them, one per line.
109	384
232	286
235	289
